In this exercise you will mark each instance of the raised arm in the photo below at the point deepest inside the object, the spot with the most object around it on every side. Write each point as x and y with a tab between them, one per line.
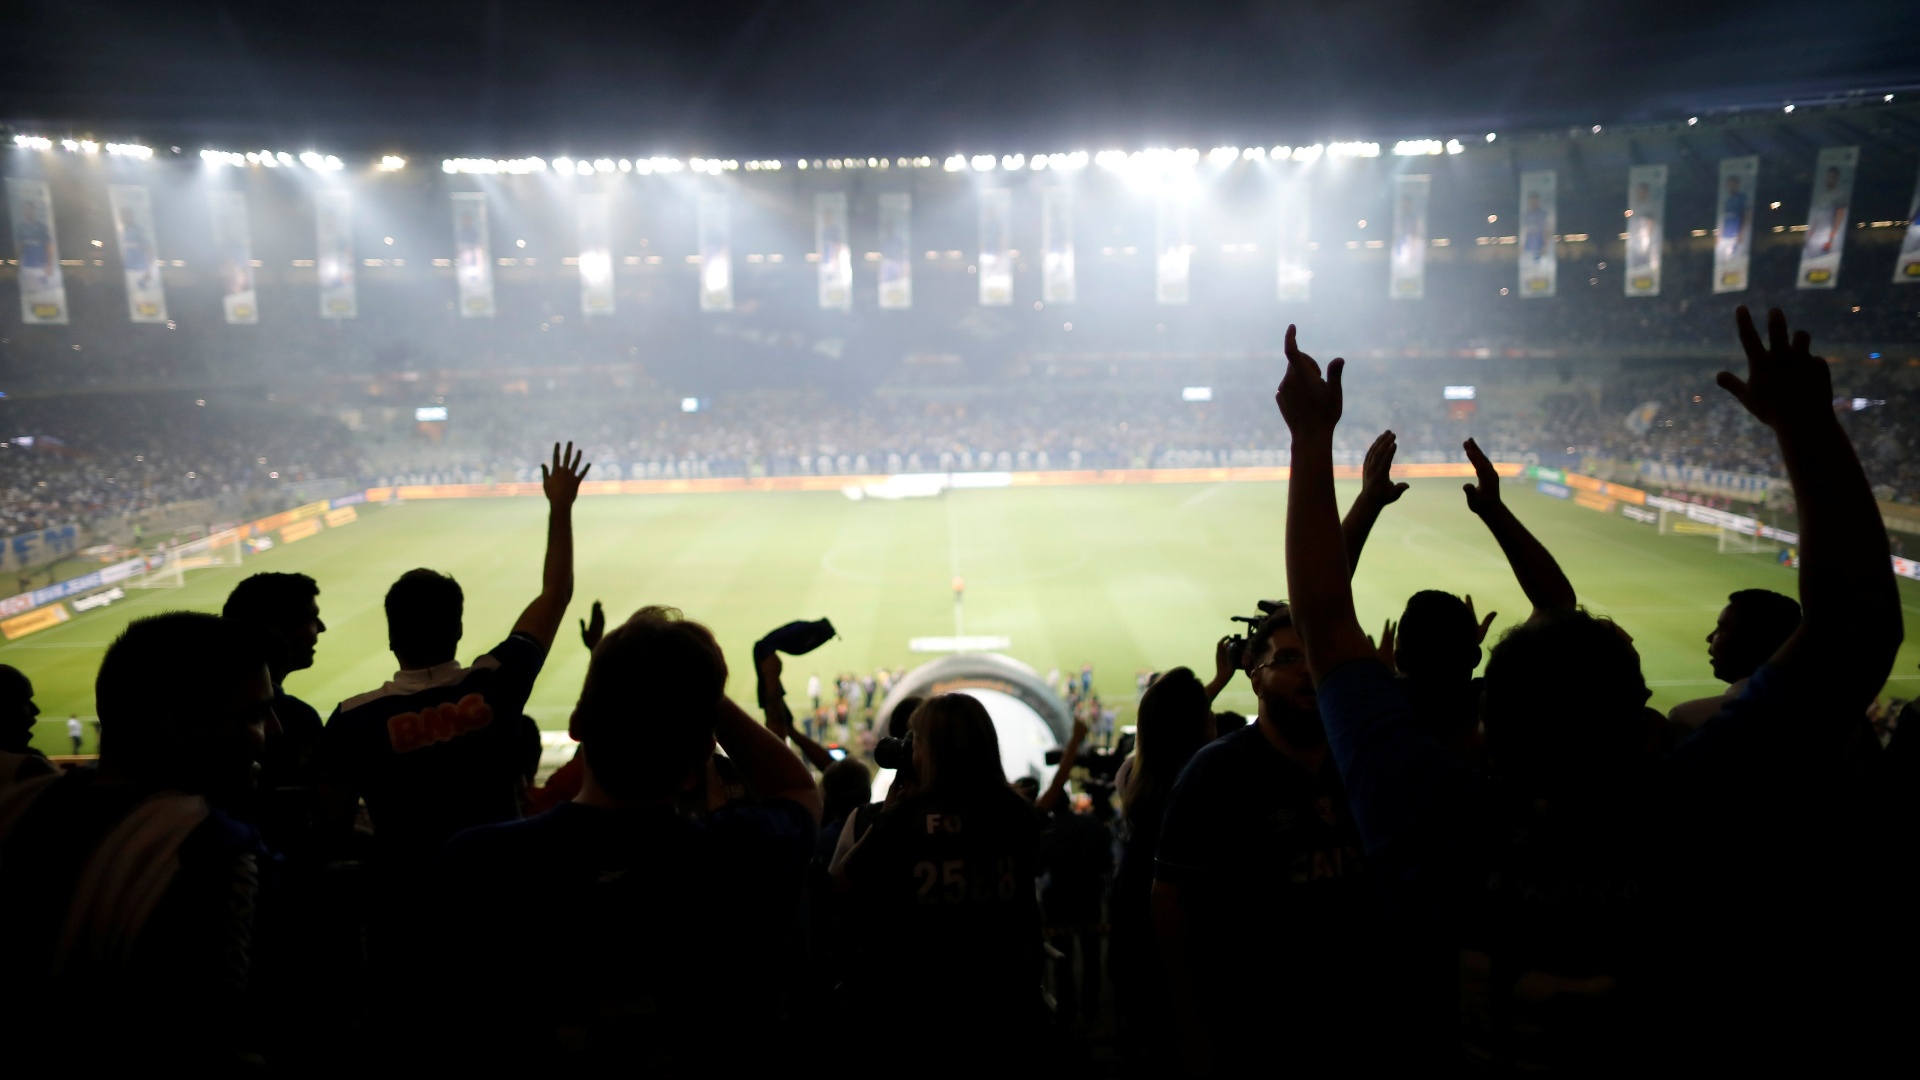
1069	754
773	705
1850	625
561	481
1318	584
1541	578
768	767
1377	491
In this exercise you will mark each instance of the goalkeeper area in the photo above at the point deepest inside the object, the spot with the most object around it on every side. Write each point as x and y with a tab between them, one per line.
1127	579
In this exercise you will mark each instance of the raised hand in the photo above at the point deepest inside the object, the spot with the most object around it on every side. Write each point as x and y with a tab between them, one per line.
1309	403
1785	383
1484	624
1482	497
591	632
561	480
1376	475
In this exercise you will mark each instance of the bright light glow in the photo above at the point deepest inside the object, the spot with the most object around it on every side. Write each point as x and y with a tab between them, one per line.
956	162
604	165
1692	120
983	163
1353	149
495	166
1223	155
1491	136
285	158
1596	129
132	150
1254	153
1418	147
391	163
1454	147
1308	153
563	165
1038	162
32	142
1457	393
1196	393
583	168
1013	161
1789	108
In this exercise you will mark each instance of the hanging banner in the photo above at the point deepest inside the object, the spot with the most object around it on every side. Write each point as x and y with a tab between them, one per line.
1056	246
1539	269
896	252
43	290
472	255
1173	256
1407	263
1646	228
1906	270
1827	217
1733	223
334	224
1296	274
836	258
139	257
996	248
596	254
716	255
234	241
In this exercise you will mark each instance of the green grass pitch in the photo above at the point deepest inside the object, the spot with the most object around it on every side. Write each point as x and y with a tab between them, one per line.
1124	578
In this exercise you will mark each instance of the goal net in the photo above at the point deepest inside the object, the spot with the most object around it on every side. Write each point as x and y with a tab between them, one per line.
220	549
1734	542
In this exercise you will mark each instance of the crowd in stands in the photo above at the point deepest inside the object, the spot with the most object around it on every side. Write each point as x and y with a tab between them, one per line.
1394	865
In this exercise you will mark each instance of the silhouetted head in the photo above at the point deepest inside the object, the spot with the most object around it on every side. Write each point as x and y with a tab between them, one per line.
17	710
1276	662
1751	628
1173	722
1563	705
424	609
1437	639
185	702
287	608
844	787
647	709
956	750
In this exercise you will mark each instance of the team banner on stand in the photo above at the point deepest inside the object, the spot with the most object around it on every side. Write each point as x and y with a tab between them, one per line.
996	247
1407	264
43	290
1907	269
836	258
596	254
139	257
716	253
234	241
333	221
1827	217
1173	255
1296	273
1056	246
472	255
1646	227
896	251
1733	223
1539	268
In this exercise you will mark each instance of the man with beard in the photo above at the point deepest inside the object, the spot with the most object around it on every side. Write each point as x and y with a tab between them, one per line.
1258	896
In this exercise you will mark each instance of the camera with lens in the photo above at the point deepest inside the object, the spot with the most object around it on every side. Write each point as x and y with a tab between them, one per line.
1101	762
1237	644
894	753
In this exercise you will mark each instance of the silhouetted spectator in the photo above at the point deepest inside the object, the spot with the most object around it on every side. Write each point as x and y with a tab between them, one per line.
18	759
1750	629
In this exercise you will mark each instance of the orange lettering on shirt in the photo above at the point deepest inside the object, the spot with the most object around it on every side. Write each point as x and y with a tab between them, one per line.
438	723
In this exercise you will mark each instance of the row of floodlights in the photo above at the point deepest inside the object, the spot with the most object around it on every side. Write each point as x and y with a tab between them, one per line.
84	146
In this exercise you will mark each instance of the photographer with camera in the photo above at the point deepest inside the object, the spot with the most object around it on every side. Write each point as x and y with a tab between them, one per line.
944	887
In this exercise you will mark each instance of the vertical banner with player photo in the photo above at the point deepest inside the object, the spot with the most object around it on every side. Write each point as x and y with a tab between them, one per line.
1827	217
896	251
472	255
1646	228
1733	223
333	222
1539	268
43	289
1295	245
1173	255
1056	246
1906	270
233	239
595	212
716	253
139	255
996	247
836	258
1407	262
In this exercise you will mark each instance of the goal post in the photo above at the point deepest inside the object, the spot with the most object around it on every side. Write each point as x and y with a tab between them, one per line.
223	548
1735	542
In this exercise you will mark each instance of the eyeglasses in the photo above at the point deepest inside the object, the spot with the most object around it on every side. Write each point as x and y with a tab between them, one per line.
1288	659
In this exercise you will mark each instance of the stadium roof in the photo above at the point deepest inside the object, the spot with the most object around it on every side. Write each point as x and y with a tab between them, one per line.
770	79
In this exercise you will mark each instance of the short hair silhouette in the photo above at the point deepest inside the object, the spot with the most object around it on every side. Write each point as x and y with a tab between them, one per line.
1564	700
424	609
646	711
164	690
1437	637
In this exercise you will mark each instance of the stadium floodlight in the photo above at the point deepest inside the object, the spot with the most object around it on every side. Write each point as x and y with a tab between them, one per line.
604	165
1223	155
1308	153
1013	161
1353	149
1196	393
1418	147
1038	162
1691	120
1491	136
1789	108
563	165
955	162
1454	147
32	142
983	163
391	163
1254	153
1458	393
132	150
584	168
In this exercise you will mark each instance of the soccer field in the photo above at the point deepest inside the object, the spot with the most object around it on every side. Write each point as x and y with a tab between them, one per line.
1124	578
